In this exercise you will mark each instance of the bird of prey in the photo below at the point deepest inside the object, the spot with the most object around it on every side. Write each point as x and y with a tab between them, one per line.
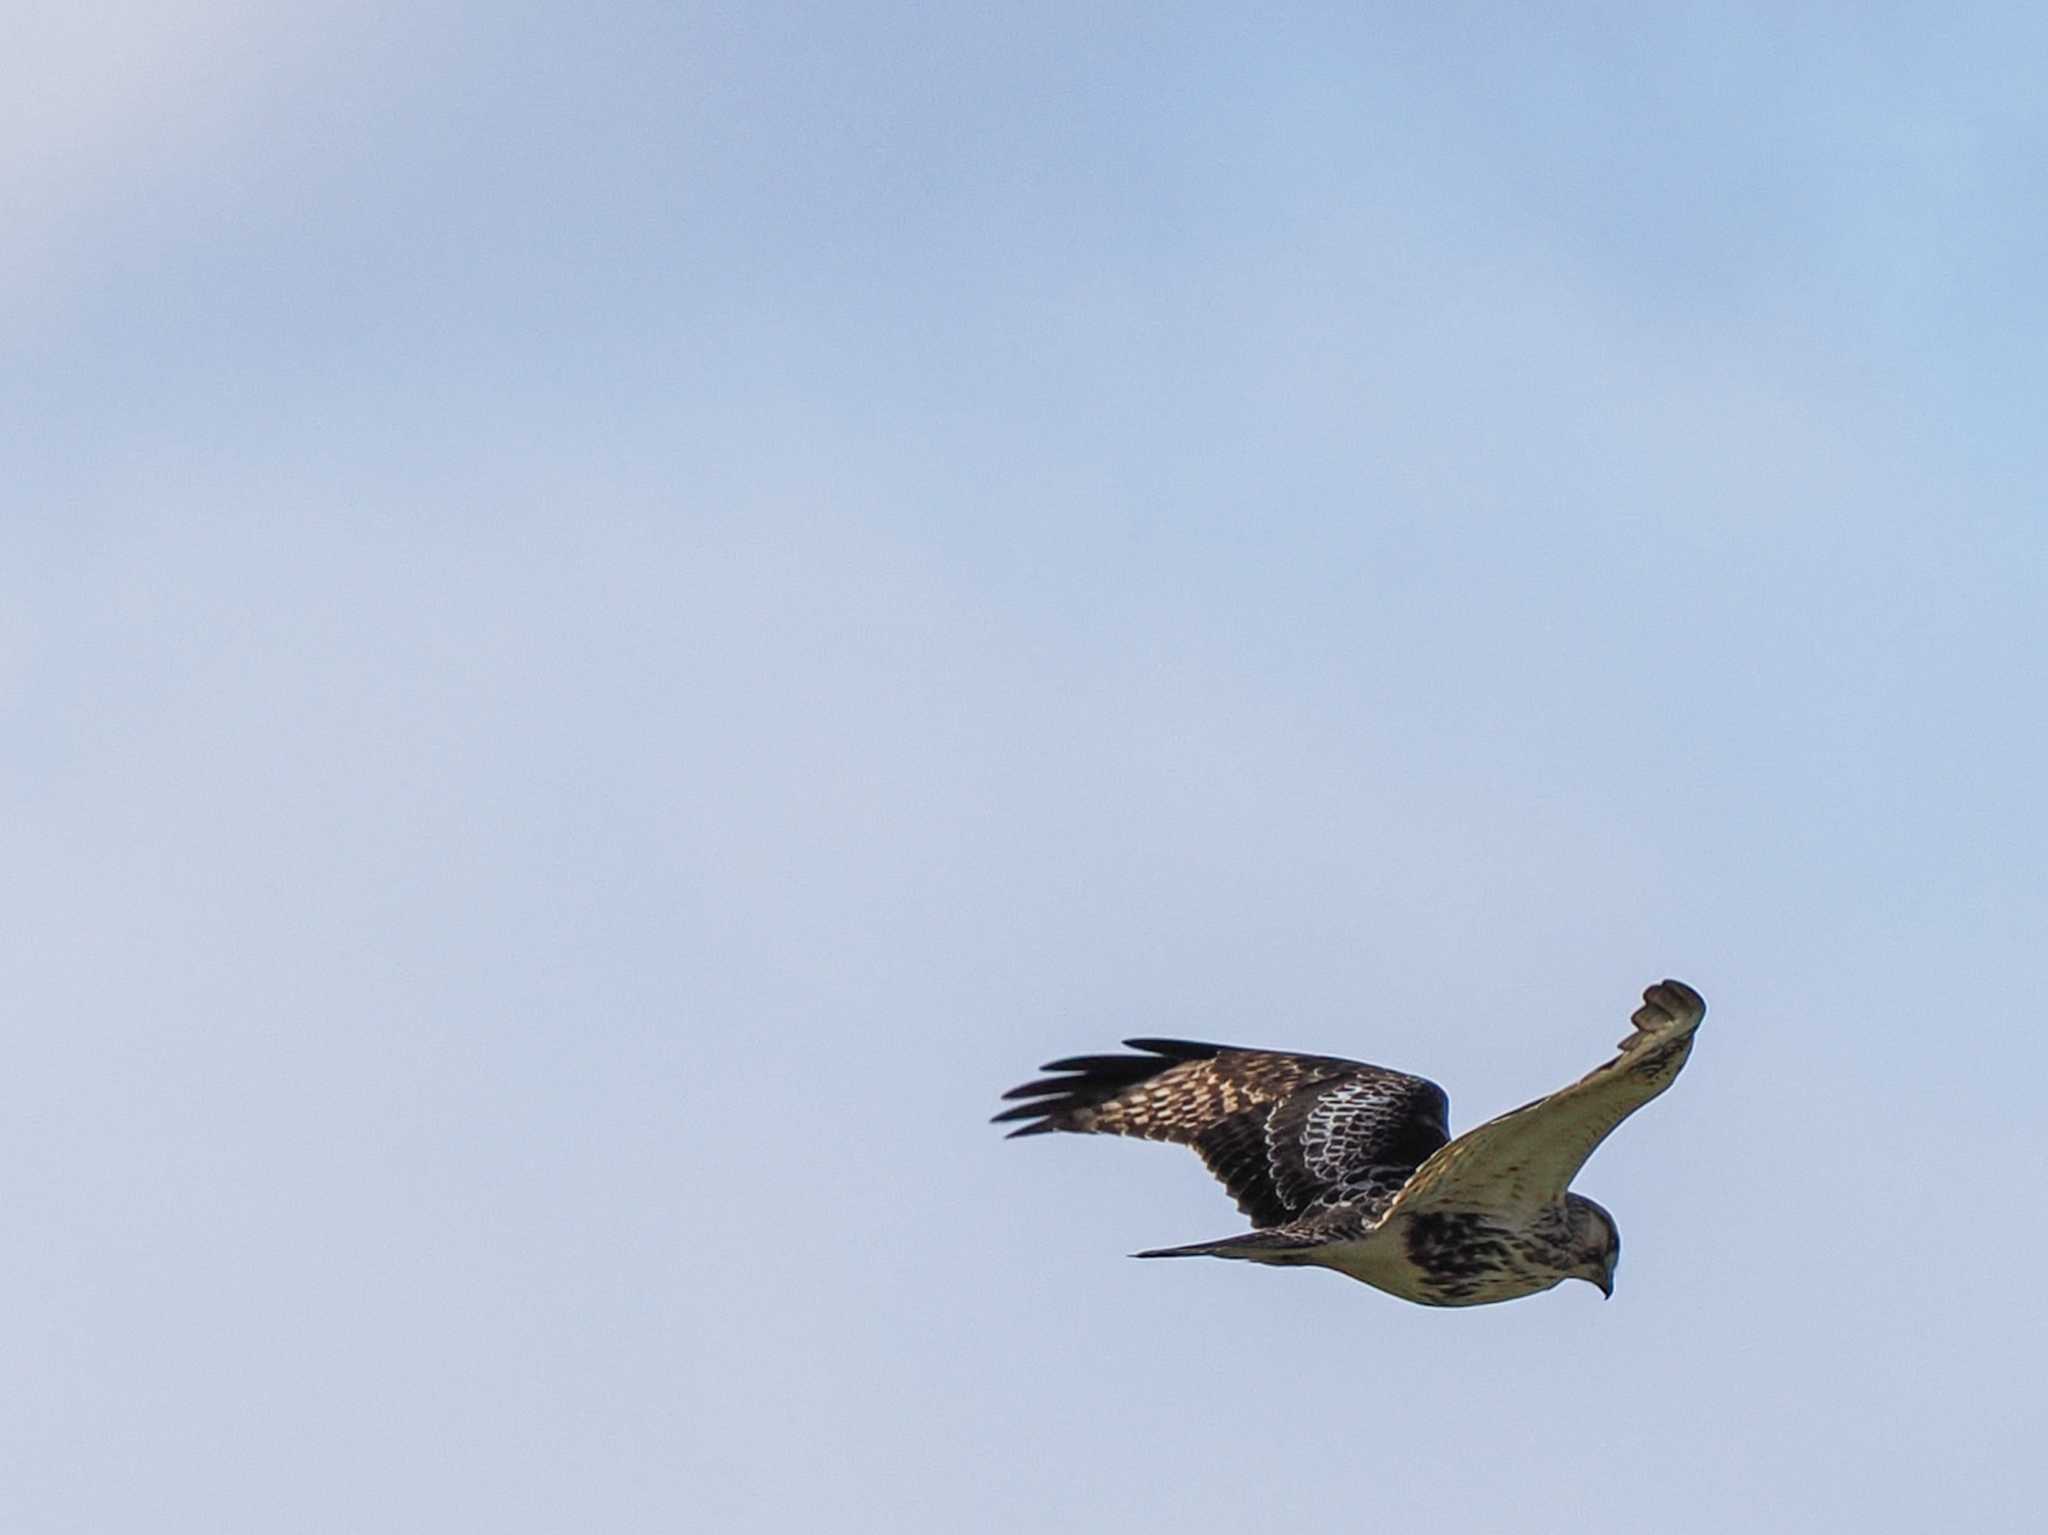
1351	1167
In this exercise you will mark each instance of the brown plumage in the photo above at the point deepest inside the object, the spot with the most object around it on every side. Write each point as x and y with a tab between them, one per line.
1284	1133
1344	1165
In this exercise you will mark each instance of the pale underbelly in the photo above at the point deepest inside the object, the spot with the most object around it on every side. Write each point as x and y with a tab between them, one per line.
1383	1261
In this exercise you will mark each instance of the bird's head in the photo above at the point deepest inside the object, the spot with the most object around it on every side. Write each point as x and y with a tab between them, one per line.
1595	1243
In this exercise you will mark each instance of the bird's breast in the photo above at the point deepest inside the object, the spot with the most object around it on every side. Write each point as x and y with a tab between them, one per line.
1444	1258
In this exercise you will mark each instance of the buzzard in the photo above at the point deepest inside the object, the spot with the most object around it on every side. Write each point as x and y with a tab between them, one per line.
1351	1167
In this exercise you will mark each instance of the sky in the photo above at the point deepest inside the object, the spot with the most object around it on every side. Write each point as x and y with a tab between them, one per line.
613	617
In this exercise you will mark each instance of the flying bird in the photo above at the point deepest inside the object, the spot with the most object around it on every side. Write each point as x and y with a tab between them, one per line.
1351	1167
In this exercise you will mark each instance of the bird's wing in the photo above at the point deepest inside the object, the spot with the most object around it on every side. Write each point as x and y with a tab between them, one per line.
1526	1159
1283	1132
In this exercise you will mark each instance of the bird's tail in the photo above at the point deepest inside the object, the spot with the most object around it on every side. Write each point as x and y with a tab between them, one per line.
1253	1246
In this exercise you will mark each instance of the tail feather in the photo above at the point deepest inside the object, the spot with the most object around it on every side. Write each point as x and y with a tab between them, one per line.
1253	1246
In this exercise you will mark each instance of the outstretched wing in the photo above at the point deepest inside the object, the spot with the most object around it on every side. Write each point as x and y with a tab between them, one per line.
1283	1132
1526	1159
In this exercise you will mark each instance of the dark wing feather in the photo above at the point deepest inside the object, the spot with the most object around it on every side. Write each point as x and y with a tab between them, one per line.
1282	1132
1358	1136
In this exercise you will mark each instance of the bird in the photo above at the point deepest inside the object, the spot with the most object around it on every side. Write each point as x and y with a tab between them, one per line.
1346	1166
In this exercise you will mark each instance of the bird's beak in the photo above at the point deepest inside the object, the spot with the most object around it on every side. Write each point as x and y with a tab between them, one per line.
1607	1288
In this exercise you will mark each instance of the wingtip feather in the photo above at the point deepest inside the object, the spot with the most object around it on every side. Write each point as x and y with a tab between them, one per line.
1046	1087
1178	1049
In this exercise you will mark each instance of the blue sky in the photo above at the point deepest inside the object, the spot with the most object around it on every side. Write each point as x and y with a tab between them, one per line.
612	618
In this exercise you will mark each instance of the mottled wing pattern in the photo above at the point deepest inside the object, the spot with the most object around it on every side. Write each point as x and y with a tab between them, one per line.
1286	1134
1355	1137
1522	1162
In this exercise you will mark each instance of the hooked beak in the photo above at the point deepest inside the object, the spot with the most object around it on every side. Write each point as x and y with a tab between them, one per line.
1607	1288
